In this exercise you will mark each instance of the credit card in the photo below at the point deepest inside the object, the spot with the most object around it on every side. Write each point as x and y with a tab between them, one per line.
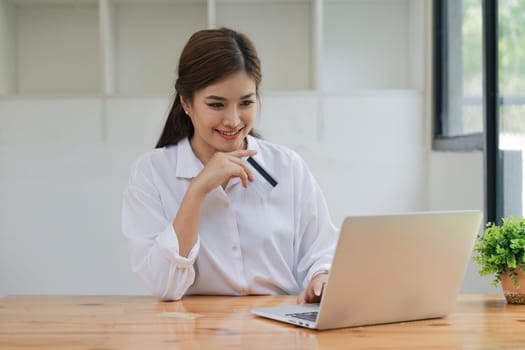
264	182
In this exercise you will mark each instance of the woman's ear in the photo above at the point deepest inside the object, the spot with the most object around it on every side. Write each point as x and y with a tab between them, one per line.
185	105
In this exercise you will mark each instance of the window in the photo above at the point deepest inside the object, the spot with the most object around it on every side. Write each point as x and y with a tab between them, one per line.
458	75
479	75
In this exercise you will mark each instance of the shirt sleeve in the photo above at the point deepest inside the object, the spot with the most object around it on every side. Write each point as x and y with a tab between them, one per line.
316	236
153	244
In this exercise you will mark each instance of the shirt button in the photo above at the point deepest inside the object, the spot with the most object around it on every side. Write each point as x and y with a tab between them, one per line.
235	248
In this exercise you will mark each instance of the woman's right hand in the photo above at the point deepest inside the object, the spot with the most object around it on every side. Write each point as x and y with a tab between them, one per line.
221	168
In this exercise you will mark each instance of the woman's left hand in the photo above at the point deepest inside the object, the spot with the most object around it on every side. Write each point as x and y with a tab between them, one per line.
314	290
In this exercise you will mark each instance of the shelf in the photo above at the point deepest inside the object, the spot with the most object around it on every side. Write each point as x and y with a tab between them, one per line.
132	47
57	48
282	34
375	50
149	40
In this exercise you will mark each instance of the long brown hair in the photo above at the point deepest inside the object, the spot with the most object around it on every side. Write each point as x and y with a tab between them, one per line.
209	56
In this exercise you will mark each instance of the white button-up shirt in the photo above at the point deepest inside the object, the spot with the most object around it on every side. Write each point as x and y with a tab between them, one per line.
249	241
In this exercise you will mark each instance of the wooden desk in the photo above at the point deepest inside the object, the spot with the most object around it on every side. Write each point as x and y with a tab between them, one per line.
140	322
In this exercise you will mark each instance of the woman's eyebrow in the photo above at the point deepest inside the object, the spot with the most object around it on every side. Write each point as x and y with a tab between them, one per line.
219	98
213	97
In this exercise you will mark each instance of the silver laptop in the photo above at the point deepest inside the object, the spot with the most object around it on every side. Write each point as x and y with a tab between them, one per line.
390	268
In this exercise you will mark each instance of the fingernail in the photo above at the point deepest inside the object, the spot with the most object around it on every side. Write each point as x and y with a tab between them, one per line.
317	292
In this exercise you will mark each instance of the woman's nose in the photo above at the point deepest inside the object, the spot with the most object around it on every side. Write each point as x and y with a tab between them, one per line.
232	118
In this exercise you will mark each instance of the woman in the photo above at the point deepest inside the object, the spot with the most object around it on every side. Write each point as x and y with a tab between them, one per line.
199	218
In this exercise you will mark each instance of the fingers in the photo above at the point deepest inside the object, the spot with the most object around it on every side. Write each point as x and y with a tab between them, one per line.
245	172
318	288
308	296
311	297
225	166
314	291
301	298
243	153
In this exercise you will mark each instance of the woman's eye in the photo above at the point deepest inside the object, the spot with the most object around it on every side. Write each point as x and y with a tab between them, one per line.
246	103
215	105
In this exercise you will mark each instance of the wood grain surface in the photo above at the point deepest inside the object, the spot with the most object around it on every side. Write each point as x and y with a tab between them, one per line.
141	322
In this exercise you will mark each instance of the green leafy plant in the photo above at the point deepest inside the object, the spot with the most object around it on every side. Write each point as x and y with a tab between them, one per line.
502	248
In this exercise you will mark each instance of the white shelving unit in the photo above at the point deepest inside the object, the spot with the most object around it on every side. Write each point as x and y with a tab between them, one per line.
148	41
282	33
375	50
131	47
51	48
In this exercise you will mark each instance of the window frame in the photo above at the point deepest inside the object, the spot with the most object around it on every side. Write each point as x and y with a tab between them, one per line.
493	167
488	140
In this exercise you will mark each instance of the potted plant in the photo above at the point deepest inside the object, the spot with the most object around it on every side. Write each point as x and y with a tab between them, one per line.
501	251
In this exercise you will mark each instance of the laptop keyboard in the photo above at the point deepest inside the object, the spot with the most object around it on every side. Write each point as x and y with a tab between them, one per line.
308	316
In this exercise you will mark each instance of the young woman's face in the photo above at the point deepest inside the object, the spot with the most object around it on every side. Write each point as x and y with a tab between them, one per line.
222	115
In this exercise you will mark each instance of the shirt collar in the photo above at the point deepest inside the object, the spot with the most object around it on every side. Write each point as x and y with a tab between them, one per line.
188	165
253	144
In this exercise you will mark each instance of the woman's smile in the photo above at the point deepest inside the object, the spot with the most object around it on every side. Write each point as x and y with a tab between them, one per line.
230	134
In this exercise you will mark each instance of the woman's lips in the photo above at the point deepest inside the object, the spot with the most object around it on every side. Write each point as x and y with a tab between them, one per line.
230	134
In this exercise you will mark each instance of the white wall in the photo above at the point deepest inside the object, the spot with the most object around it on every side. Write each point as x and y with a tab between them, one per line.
64	165
63	176
366	149
61	188
456	182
